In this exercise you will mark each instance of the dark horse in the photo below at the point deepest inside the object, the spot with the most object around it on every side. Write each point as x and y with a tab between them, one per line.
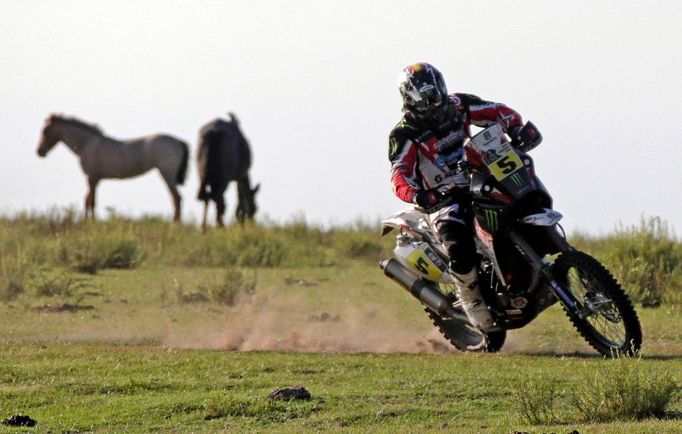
103	157
224	156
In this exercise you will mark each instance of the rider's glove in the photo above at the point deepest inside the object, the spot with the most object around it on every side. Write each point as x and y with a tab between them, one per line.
515	134
428	198
459	194
525	138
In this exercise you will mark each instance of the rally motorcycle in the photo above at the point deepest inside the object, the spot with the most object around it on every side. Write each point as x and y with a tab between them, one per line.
525	262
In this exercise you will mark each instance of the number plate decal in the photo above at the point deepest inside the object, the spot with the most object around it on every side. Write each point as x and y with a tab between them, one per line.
505	166
496	152
421	262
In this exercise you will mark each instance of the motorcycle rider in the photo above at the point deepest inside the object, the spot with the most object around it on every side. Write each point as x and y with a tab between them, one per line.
425	148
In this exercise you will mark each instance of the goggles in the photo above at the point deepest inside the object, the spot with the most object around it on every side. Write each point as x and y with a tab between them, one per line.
428	103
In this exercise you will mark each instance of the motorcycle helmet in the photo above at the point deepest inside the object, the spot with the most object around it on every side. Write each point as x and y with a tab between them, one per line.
424	93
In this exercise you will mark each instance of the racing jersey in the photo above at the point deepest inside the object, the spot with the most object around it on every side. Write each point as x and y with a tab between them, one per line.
423	157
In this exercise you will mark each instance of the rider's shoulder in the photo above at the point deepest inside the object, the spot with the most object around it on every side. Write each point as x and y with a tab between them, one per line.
465	99
404	130
403	133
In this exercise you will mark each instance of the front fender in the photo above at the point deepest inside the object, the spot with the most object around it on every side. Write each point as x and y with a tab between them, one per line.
407	220
547	218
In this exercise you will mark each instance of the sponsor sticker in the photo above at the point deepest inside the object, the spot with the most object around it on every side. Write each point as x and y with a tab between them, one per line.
516	179
491	218
422	262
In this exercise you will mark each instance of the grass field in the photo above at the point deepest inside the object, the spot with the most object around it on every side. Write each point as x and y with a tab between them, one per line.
176	344
98	387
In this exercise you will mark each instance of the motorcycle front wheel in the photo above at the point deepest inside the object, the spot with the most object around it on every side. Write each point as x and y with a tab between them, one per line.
606	318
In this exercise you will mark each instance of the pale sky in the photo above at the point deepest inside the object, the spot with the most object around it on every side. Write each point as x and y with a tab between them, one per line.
314	85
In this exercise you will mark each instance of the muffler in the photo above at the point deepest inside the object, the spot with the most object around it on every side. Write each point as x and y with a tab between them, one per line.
423	290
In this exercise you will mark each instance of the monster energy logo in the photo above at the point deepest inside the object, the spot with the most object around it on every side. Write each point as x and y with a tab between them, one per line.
491	218
516	179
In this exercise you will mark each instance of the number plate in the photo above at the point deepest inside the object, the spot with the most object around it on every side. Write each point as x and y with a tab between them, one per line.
505	166
496	152
420	260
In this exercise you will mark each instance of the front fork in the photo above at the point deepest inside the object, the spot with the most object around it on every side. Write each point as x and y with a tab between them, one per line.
542	270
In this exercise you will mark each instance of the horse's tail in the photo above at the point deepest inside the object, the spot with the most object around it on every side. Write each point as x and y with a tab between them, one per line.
209	167
182	170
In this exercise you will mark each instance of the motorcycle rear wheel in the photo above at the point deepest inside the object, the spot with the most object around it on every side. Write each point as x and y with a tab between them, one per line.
612	327
466	338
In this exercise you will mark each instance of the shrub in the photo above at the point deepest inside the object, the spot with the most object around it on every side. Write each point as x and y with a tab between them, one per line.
14	275
359	248
122	253
86	259
89	251
647	260
257	249
624	389
234	284
620	389
535	402
57	284
12	280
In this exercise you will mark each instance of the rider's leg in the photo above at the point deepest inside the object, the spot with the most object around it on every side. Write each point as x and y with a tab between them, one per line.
458	239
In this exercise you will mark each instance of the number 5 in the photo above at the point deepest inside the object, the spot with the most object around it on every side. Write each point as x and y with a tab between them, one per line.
507	165
422	265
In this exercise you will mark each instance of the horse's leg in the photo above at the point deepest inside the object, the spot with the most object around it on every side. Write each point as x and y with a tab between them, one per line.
87	204
220	209
169	178
177	202
203	221
90	198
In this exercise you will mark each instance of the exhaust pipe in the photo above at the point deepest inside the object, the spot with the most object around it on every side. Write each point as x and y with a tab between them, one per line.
423	290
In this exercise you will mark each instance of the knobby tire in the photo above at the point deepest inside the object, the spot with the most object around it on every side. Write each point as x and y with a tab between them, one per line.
601	279
494	340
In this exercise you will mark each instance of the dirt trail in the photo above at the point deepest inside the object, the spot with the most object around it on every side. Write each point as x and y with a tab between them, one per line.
283	326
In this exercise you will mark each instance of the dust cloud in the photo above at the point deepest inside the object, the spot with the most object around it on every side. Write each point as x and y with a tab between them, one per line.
277	325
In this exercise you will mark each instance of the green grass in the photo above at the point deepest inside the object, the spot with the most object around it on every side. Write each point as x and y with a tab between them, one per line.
58	238
14	275
190	333
646	259
626	389
143	361
141	389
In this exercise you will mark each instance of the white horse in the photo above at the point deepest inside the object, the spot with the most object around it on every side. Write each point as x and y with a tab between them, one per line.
102	157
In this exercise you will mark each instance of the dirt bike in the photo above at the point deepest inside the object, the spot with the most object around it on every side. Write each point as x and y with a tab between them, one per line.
525	262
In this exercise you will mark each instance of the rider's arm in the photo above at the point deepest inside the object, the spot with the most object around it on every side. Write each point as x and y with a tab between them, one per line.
484	113
404	177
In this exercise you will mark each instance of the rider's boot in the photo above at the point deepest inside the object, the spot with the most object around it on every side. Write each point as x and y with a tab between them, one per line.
472	301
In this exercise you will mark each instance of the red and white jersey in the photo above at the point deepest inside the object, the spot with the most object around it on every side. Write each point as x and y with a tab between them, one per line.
423	157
